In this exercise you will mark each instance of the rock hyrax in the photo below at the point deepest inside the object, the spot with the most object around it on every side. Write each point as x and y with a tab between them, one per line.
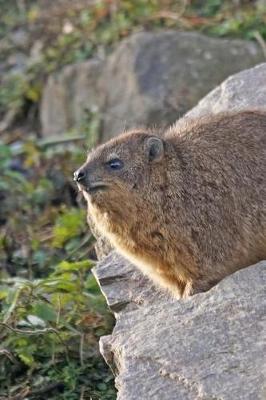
188	206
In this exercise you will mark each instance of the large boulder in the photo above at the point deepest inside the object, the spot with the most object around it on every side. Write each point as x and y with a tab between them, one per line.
210	346
153	78
69	95
150	79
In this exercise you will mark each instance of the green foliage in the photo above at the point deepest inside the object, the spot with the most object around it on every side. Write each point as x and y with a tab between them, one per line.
56	322
207	8
244	25
51	309
12	92
68	225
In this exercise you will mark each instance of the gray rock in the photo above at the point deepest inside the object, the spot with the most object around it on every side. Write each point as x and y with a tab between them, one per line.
245	90
102	245
150	79
125	287
68	95
211	346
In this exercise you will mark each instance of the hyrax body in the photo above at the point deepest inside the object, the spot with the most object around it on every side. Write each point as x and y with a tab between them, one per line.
187	207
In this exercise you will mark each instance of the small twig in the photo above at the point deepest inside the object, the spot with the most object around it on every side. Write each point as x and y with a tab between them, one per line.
87	240
27	392
8	119
24	392
29	332
48	388
13	304
53	141
261	42
165	14
87	250
48	236
59	310
53	354
81	347
82	393
37	332
9	355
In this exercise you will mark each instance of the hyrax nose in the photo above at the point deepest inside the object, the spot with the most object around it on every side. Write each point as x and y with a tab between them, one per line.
80	175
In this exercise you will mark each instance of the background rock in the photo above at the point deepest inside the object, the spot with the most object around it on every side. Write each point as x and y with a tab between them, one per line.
68	95
210	346
150	79
153	78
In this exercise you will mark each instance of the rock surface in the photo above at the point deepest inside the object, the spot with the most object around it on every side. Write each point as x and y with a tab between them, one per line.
150	79
209	347
68	95
245	90
124	286
156	77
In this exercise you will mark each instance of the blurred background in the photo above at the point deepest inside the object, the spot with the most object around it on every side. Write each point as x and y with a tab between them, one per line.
73	74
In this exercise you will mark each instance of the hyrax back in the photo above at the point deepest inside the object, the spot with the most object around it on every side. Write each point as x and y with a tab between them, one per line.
187	207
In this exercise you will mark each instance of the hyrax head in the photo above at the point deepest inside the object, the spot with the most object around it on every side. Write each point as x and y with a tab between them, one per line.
113	170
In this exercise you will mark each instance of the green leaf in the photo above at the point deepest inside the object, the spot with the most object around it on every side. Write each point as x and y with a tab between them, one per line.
74	266
28	359
39	256
5	154
3	292
70	224
45	312
56	285
92	285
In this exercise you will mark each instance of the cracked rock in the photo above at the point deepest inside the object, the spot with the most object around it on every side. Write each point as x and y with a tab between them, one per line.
211	346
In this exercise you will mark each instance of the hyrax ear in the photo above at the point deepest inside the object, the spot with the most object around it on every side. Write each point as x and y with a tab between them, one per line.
154	149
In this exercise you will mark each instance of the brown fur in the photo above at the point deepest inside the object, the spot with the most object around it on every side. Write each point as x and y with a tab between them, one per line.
196	214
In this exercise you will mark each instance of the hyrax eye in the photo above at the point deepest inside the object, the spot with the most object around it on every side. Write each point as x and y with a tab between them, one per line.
115	164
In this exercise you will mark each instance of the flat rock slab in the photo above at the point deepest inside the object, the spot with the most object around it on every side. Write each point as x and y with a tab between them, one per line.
124	286
209	347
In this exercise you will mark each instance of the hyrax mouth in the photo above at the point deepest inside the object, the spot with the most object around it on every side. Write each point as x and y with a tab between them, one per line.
95	188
